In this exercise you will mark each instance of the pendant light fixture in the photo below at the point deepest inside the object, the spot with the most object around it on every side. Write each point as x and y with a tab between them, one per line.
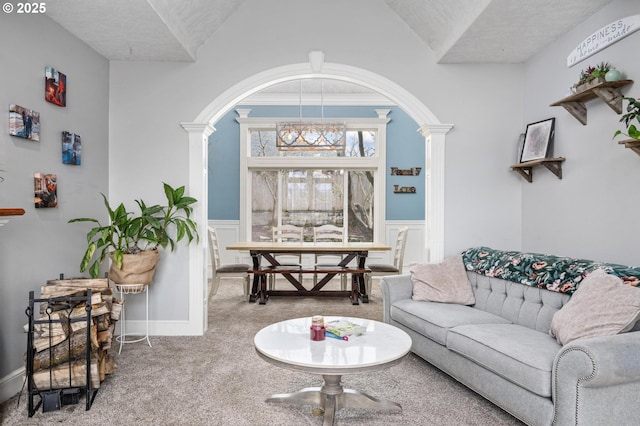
310	135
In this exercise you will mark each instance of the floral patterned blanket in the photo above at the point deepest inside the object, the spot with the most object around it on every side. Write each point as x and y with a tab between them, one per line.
561	274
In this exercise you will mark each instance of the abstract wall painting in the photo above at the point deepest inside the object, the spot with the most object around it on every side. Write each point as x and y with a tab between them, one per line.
24	122
71	148
537	140
45	190
55	87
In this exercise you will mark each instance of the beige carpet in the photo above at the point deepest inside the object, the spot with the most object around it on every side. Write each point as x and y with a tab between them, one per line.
218	379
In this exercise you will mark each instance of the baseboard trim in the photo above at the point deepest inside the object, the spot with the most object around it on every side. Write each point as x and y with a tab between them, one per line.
11	384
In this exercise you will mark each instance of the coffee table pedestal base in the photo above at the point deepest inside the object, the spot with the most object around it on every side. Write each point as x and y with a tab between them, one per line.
332	397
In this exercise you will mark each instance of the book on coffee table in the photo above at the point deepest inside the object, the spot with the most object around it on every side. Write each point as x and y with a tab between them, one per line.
342	328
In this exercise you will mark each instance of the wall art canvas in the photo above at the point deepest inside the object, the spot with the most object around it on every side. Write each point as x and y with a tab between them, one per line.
537	140
71	148
24	122
45	190
55	87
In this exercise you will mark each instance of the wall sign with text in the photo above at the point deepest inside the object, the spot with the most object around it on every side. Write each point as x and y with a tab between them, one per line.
604	37
414	171
397	189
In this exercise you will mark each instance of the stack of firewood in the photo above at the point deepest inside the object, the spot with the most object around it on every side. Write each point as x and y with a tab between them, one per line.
60	346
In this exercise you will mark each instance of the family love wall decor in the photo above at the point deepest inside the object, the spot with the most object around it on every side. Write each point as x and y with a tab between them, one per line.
397	189
414	171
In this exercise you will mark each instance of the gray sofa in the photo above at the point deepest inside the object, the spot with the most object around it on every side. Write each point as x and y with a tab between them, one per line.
501	347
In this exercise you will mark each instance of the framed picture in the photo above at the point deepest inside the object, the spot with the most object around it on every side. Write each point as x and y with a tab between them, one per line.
24	122
71	148
537	140
55	87
45	188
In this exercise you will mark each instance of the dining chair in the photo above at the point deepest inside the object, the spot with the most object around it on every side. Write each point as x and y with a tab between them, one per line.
283	234
231	270
330	233
381	270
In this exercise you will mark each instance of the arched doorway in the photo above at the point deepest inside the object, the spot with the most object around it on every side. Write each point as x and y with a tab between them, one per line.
201	128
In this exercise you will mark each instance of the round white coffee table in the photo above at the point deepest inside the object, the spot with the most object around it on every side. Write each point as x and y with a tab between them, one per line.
288	344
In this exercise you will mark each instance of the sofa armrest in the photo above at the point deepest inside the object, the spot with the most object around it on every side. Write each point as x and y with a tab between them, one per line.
597	380
394	287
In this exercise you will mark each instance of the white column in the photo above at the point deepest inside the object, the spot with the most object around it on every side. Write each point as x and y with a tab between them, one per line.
380	197
198	165
435	136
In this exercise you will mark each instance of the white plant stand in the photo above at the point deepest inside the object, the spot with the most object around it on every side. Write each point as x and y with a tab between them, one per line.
131	289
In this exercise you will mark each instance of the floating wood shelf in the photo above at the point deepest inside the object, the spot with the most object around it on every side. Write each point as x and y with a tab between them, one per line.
6	213
608	91
633	144
526	169
11	212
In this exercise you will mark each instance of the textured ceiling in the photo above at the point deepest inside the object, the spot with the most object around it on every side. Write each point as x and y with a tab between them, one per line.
492	31
143	30
458	31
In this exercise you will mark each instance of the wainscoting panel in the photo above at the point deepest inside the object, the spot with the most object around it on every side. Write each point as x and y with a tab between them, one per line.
416	248
228	233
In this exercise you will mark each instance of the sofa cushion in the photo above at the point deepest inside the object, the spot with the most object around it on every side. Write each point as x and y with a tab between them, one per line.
516	353
444	282
434	319
602	305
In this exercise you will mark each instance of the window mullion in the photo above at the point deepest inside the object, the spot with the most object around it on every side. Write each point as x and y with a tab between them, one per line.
312	163
279	197
345	204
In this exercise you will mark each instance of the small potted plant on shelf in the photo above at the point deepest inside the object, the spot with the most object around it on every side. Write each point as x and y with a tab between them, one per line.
592	75
132	241
633	113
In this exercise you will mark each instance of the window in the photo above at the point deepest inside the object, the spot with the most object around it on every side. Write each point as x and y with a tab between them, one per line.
359	143
310	198
312	188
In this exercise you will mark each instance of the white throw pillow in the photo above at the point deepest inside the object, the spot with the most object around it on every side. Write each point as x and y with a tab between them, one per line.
602	305
445	282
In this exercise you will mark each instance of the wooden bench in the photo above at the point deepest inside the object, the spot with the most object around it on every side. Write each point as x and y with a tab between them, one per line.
357	291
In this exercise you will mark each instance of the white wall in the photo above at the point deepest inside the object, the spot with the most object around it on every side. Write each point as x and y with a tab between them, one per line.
149	100
41	244
593	211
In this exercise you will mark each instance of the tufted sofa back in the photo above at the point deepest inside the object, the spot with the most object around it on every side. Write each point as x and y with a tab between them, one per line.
527	306
528	288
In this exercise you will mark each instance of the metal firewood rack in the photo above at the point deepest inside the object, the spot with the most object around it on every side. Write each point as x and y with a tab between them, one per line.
54	397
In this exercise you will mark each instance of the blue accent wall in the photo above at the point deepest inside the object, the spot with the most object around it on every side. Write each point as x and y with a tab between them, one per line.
224	169
405	149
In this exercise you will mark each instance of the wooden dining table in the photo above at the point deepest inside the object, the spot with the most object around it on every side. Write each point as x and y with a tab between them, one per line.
261	251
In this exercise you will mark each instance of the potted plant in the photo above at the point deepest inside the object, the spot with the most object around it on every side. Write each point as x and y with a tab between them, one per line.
633	113
132	241
592	75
